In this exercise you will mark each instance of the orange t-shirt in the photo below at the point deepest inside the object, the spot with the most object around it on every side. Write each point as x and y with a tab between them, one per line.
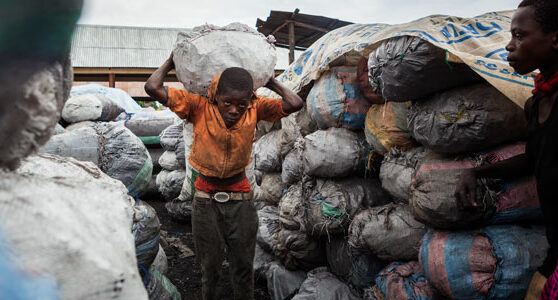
218	151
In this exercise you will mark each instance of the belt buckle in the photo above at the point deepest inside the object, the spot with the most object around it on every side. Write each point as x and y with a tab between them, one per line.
221	197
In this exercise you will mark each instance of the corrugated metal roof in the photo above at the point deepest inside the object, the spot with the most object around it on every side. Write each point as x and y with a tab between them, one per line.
98	46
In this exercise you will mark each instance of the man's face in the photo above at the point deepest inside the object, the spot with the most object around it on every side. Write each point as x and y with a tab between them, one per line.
530	48
232	104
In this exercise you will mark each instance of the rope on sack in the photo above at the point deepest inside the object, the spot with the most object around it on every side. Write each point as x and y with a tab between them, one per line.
452	119
369	168
146	275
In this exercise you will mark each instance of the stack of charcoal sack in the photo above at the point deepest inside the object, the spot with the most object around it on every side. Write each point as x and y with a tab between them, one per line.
439	119
312	182
176	140
362	181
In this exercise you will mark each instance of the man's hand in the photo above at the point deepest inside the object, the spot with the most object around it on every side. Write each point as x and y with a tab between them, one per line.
466	190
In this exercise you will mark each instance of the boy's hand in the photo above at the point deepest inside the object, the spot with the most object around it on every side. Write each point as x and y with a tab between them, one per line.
171	59
272	83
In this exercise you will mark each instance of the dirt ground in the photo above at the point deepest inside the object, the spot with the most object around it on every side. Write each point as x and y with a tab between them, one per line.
184	272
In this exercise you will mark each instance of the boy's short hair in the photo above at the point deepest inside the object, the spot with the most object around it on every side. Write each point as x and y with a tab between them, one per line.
546	13
237	79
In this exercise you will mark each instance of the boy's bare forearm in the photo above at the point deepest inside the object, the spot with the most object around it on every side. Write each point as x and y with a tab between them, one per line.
291	101
154	84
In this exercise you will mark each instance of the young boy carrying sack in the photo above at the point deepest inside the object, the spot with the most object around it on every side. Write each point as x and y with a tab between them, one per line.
224	123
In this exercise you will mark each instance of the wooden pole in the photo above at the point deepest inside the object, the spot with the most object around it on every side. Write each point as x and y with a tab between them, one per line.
112	81
291	42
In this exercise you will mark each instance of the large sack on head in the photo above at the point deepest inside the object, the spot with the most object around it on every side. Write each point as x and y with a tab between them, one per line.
33	97
322	285
67	217
146	231
355	266
90	107
170	183
270	190
408	68
118	152
495	262
386	127
209	50
466	119
332	203
292	208
336	152
297	250
268	226
389	231
398	169
282	283
401	281
335	100
433	200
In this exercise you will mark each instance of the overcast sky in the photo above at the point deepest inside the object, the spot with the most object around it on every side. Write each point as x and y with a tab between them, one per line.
188	13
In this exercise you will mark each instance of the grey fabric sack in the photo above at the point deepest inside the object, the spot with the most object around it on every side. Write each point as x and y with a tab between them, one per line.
32	97
322	285
283	284
466	119
397	171
332	203
297	250
389	231
355	266
268	225
270	190
409	68
335	152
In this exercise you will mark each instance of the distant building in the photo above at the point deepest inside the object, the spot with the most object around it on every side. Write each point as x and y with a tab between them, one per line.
124	57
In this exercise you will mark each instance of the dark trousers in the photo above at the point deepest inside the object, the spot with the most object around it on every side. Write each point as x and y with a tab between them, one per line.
234	225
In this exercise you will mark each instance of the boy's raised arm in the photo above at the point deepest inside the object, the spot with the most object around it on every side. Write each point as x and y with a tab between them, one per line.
291	101
154	84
